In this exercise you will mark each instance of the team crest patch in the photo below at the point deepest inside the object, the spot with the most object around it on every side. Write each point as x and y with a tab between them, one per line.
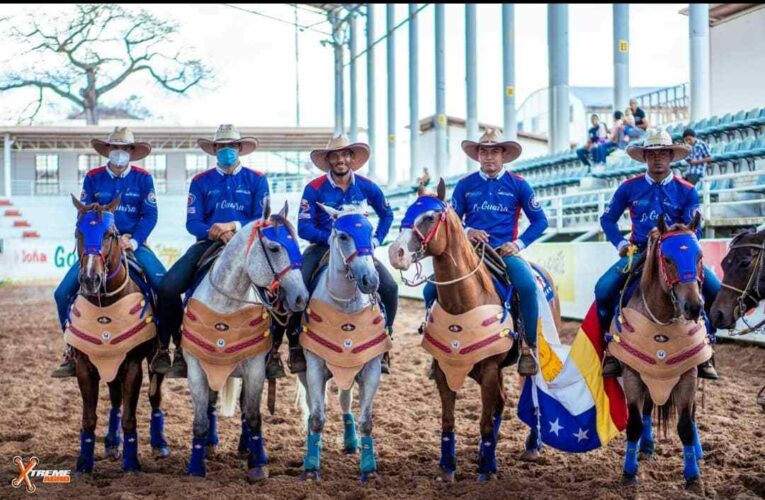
303	205
83	194
191	199
534	203
151	198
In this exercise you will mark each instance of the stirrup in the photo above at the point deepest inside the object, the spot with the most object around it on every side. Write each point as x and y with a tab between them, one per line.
179	369
527	365
296	361
385	363
706	370
611	367
161	363
275	367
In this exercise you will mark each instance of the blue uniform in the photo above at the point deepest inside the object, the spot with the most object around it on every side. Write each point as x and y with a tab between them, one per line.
494	205
646	199
215	196
315	225
136	215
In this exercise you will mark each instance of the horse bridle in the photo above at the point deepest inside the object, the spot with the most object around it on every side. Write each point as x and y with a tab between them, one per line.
746	292
348	274
113	236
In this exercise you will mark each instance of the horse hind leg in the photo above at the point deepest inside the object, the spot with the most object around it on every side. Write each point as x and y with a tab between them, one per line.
350	437
87	379
254	376
200	395
316	384
448	462
159	448
113	438
369	381
131	383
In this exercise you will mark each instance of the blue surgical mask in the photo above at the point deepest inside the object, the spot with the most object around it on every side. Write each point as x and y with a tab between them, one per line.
227	157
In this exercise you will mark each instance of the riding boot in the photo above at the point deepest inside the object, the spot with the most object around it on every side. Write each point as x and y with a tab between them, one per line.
297	362
68	367
611	366
527	365
161	362
178	370
275	367
707	369
385	363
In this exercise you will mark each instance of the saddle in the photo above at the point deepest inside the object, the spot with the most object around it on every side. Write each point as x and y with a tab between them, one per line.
107	334
494	263
221	341
660	354
345	342
460	341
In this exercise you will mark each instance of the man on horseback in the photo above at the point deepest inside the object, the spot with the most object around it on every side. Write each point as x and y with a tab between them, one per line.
340	186
647	196
490	202
135	217
221	200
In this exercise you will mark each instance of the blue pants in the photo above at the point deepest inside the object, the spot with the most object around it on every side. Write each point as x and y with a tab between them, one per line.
602	150
520	274
611	283
69	286
583	153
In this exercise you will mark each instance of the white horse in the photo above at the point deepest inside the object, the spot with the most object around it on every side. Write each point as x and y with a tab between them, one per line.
250	259
349	285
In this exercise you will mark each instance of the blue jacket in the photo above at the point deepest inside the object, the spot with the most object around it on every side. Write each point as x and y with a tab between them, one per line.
646	200
137	212
215	196
494	206
315	225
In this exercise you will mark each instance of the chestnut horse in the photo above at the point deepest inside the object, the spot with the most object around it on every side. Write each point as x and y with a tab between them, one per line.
468	286
104	281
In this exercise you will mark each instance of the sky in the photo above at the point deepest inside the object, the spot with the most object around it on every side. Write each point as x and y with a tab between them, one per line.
254	62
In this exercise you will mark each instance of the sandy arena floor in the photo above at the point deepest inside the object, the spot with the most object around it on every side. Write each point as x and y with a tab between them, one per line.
41	416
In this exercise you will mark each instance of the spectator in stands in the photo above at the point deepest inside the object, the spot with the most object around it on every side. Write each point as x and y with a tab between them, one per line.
698	159
596	135
641	122
604	149
629	129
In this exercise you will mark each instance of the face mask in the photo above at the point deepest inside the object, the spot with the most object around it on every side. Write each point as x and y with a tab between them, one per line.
119	158
227	157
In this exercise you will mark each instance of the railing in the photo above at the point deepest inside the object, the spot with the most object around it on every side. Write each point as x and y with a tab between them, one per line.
667	105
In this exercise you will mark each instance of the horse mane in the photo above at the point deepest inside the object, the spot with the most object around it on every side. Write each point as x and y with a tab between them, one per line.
461	240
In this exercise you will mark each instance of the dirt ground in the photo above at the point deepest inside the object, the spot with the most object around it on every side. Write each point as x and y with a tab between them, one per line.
41	416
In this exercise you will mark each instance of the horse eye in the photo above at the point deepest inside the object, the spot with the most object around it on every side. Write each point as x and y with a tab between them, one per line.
343	237
274	249
428	218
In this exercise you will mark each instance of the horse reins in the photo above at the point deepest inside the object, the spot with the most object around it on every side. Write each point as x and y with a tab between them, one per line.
754	280
122	262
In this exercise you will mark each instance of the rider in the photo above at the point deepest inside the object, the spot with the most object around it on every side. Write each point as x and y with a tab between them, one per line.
647	196
340	186
491	201
135	217
221	200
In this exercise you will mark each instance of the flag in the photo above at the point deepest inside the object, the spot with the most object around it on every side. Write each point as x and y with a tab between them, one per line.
569	403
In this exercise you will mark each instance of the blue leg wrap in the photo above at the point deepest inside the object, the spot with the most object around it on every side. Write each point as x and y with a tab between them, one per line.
212	433
631	459
697	443
448	452
497	424
244	437
368	462
690	463
113	435
533	443
197	462
312	459
487	462
87	451
646	438
130	452
350	438
257	449
157	430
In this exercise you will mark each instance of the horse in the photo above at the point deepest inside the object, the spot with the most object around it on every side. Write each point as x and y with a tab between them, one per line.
660	338
743	285
344	336
472	315
226	330
112	332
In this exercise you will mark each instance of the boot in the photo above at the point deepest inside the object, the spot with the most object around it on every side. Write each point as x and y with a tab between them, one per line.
161	362
178	370
67	368
297	360
527	365
275	368
707	369
385	363
611	366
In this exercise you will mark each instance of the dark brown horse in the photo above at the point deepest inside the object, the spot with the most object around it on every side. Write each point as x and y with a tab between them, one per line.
104	283
464	285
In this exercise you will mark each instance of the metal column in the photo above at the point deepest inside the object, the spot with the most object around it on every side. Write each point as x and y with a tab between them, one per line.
337	44
354	98
557	45
414	98
471	131
621	56
7	165
391	53
698	18
371	89
440	168
508	70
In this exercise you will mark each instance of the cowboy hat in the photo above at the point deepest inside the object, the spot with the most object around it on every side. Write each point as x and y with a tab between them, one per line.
228	134
658	139
122	136
493	137
340	143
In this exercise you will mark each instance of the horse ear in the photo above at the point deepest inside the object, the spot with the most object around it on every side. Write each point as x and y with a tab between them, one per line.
331	211
77	203
267	209
696	222
285	210
441	191
111	207
662	224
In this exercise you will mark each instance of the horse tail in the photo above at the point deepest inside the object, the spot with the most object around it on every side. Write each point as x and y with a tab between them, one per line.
665	416
228	396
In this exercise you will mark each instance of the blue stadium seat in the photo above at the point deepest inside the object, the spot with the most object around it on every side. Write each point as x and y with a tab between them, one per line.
721	125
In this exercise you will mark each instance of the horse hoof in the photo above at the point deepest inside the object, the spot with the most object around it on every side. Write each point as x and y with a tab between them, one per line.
310	475
645	456
210	451
350	451
113	454
446	476
629	480
695	486
257	474
161	452
487	476
530	456
367	476
84	473
196	475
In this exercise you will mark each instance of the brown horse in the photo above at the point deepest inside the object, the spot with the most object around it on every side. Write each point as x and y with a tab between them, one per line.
111	321
465	290
664	313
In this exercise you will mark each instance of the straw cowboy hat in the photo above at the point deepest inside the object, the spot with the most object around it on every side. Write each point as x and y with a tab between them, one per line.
493	137
228	134
658	139
340	143
122	136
